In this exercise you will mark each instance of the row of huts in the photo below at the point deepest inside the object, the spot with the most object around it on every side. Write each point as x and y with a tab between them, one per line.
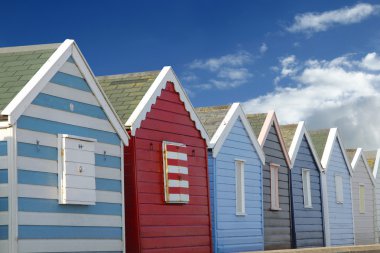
124	163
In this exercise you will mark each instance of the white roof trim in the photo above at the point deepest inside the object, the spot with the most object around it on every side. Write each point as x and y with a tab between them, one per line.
235	112
269	120
139	114
296	143
376	165
35	85
334	135
359	153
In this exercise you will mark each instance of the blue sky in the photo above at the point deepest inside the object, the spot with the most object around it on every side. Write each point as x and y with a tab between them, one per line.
312	60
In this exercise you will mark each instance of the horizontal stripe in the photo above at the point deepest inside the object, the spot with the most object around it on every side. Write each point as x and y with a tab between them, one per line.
37	178
179	197
70	93
50	153
68	232
3	204
3	232
4	218
62	219
176	148
108	185
175	155
52	206
52	127
51	192
3	176
107	161
51	140
3	191
176	162
178	183
75	245
37	151
71	69
70	81
69	106
3	148
41	165
178	169
68	117
178	190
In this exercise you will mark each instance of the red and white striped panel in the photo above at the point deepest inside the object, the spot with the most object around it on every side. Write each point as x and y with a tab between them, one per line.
176	172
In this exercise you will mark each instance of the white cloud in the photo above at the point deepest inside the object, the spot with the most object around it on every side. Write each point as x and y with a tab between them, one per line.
371	61
335	93
226	72
316	22
288	67
213	64
263	48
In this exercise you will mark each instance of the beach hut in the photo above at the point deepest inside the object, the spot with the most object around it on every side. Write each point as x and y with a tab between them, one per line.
235	162
167	187
61	154
276	181
306	187
363	189
373	160
336	187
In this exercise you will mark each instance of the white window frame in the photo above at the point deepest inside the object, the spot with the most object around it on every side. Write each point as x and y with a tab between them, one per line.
306	188
339	193
362	200
274	188
240	187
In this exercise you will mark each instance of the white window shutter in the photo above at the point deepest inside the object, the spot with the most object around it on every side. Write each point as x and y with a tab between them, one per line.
274	191
362	198
76	170
339	189
240	191
306	188
176	172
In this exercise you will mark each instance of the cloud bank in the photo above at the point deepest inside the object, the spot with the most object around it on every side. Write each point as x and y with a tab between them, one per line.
311	22
343	92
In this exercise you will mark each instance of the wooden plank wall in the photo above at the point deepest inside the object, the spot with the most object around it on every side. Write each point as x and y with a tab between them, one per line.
340	215
308	222
171	227
233	232
364	222
277	224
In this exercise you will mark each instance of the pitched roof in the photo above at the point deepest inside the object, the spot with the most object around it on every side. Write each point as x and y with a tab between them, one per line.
125	91
257	122
319	138
370	155
288	132
212	116
350	153
18	65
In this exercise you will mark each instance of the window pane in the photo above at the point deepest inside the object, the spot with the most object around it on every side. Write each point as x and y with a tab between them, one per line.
339	189
362	198
306	187
240	194
275	200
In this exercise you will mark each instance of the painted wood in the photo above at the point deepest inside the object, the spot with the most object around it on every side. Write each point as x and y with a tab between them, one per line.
41	219
151	224
232	232
277	223
307	221
364	221
4	193
340	215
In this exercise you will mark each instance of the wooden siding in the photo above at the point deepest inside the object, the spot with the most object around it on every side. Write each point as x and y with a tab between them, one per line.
364	222
237	232
308	222
168	227
3	194
45	225
340	215
277	224
377	204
